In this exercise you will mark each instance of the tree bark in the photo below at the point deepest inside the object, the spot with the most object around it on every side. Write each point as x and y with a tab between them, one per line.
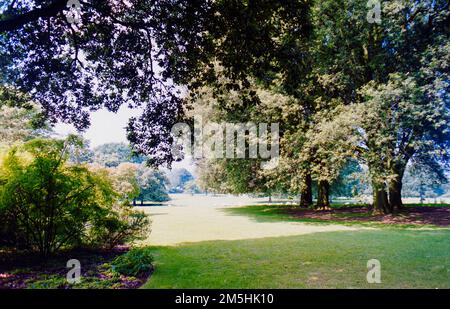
395	194
323	195
306	199
395	189
380	199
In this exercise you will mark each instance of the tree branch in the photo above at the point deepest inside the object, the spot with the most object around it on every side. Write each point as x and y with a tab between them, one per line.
15	22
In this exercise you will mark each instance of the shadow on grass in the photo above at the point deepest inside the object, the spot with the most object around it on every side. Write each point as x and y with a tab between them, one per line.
412	216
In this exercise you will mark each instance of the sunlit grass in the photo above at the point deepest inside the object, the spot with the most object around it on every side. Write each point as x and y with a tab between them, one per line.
409	259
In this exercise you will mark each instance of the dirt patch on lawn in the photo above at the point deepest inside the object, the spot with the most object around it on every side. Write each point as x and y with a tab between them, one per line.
19	271
438	216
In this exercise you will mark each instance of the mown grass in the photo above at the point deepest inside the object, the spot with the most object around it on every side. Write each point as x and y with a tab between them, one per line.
409	259
271	213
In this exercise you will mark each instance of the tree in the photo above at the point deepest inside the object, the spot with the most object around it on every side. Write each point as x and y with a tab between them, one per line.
192	187
351	181
113	154
359	63
134	181
20	119
375	93
235	175
137	53
422	178
413	126
125	180
397	123
152	185
16	124
211	176
81	153
177	179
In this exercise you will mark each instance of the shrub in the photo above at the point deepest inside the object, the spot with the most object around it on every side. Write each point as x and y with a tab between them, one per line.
135	262
47	204
121	226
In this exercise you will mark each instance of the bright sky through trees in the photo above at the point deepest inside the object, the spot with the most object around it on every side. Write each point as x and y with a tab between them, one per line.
106	127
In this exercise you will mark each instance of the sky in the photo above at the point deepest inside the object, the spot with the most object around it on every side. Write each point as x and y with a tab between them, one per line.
106	127
109	127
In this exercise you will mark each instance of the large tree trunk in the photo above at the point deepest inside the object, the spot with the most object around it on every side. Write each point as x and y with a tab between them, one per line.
380	199
395	194
395	189
306	199
323	195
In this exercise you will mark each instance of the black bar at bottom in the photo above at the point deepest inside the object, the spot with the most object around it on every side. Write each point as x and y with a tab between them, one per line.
212	298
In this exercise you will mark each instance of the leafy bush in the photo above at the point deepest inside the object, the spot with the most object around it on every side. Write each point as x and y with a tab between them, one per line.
47	204
133	263
119	227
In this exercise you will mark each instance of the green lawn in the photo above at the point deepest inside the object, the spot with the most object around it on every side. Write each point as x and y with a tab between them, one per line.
409	259
273	213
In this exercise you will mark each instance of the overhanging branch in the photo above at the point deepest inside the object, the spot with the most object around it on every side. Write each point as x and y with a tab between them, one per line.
13	22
